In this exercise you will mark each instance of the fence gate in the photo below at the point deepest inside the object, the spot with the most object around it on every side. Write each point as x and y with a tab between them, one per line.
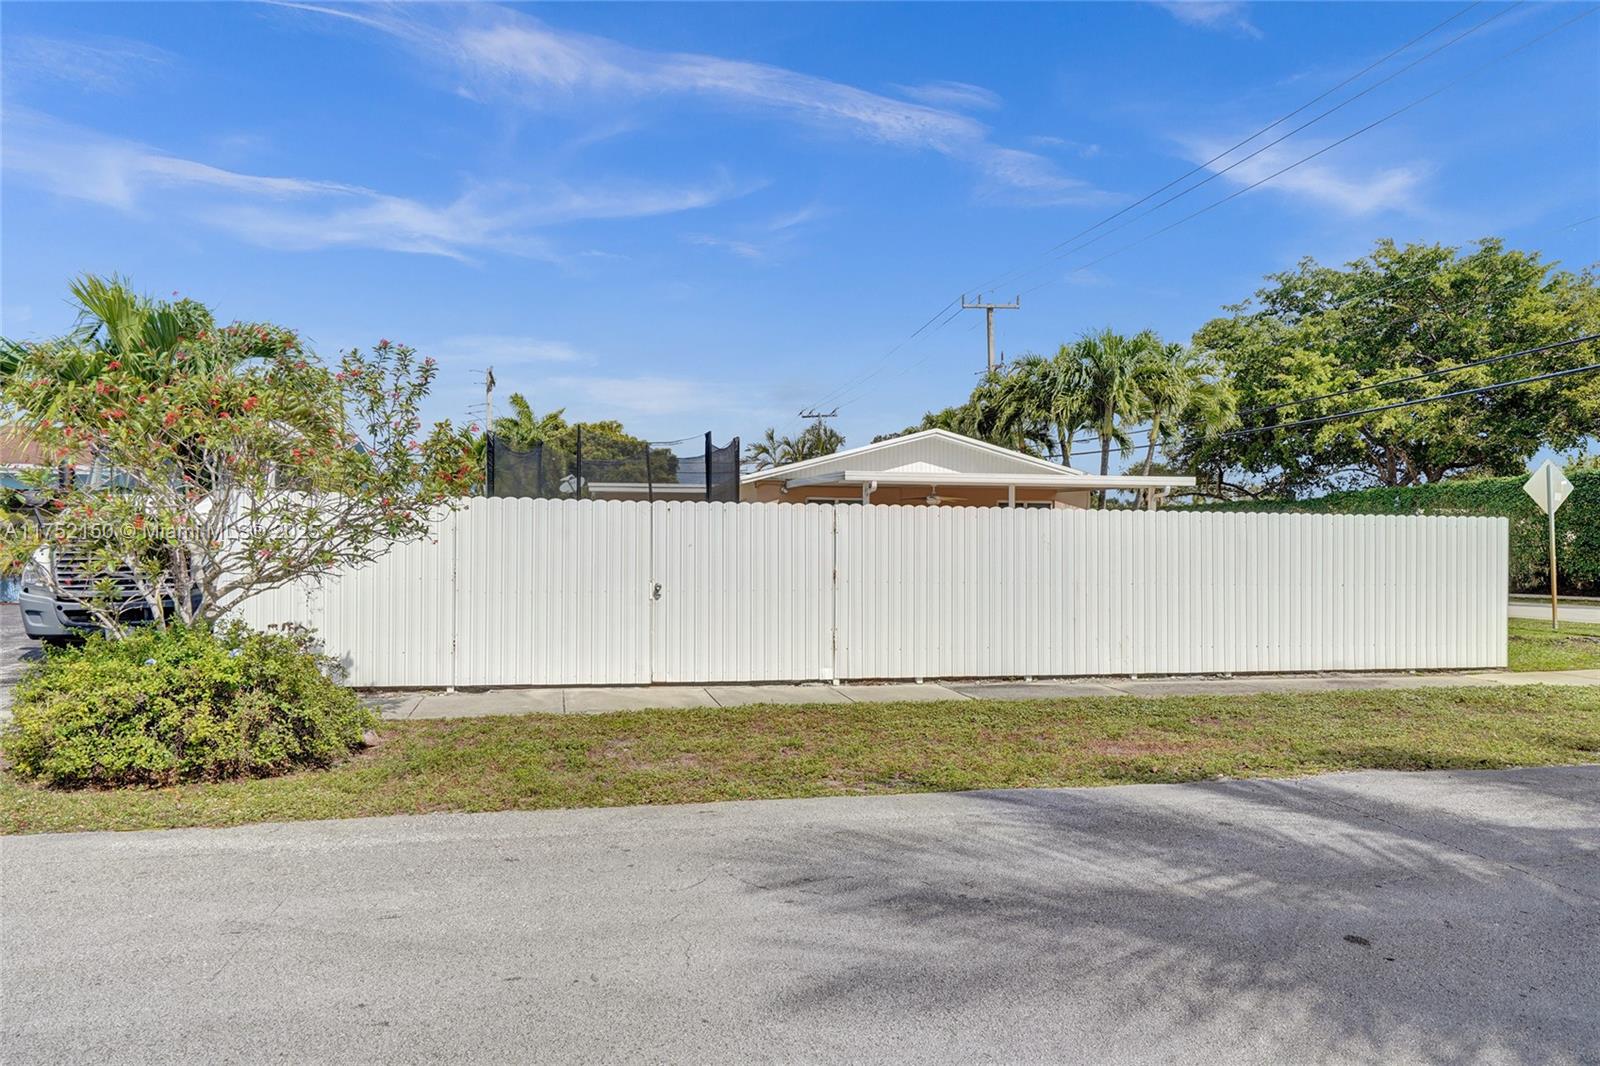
744	592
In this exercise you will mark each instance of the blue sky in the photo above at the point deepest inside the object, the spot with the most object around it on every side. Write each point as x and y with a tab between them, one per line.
694	217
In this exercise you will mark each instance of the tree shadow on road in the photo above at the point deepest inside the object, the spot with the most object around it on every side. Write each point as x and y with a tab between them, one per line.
1439	917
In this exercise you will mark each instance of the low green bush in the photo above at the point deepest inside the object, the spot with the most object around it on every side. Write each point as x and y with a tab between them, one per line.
185	704
1577	522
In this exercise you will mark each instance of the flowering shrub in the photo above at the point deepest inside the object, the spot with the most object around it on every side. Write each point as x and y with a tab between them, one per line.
241	461
181	704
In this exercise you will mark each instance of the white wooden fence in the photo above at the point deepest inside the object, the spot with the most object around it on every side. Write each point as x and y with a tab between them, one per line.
561	592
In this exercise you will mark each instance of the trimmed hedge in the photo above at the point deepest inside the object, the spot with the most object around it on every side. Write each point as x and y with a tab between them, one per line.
182	705
1577	523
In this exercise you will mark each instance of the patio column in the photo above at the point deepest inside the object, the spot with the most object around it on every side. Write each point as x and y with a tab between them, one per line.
1011	496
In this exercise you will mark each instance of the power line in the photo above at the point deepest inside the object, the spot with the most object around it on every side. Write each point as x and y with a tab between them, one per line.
913	335
1422	376
1421	275
1486	361
1270	144
1148	196
1552	375
1305	159
1329	147
1503	357
851	389
1340	305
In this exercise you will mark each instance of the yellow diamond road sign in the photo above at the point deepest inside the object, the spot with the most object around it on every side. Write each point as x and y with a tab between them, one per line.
1548	486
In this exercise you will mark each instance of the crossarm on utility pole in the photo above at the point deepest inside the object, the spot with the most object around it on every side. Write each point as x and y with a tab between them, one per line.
988	313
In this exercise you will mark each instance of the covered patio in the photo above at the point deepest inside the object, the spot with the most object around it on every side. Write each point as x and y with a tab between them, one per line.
936	467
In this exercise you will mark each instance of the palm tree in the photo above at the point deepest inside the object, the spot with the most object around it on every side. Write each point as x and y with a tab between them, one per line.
1045	399
818	440
523	430
1109	363
771	450
1184	394
1166	378
115	324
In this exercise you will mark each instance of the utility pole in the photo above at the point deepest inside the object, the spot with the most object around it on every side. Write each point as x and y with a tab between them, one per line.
488	431
988	313
820	416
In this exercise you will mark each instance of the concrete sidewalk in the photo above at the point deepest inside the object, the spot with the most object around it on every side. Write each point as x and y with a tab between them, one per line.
480	702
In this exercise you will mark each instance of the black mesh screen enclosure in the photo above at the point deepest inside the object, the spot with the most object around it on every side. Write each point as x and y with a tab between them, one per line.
541	472
722	476
606	466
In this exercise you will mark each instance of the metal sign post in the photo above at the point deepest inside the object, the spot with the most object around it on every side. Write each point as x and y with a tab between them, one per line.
1549	488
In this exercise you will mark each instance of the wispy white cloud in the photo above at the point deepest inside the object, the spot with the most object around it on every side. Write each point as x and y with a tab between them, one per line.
1323	183
300	214
99	63
762	239
515	56
1034	179
1082	149
651	395
958	95
1212	15
742	249
793	219
504	350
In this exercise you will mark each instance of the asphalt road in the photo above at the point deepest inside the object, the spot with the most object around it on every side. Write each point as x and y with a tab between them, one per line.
1586	612
1374	917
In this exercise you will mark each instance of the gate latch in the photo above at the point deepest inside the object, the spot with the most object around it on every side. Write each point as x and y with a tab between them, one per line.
655	593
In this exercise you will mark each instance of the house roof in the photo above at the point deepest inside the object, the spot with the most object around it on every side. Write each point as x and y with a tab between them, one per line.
930	452
19	448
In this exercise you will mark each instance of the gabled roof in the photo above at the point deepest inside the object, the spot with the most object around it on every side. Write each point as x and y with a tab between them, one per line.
930	451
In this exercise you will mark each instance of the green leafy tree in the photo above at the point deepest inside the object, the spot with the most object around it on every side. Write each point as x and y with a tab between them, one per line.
612	454
1397	312
233	483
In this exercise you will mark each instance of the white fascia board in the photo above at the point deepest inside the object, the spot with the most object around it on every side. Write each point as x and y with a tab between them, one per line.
1062	482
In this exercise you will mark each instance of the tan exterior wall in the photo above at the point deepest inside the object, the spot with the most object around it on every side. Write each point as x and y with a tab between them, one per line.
912	495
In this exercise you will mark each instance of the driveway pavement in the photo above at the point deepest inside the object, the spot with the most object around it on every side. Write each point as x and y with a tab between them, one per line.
1373	917
16	652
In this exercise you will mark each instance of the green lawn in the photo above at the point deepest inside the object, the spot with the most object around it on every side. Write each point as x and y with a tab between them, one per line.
1535	646
544	761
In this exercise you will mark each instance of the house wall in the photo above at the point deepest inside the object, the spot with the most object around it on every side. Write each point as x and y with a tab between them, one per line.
586	592
950	495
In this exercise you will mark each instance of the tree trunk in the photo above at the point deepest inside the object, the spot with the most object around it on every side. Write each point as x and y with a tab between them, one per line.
1105	453
1149	455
